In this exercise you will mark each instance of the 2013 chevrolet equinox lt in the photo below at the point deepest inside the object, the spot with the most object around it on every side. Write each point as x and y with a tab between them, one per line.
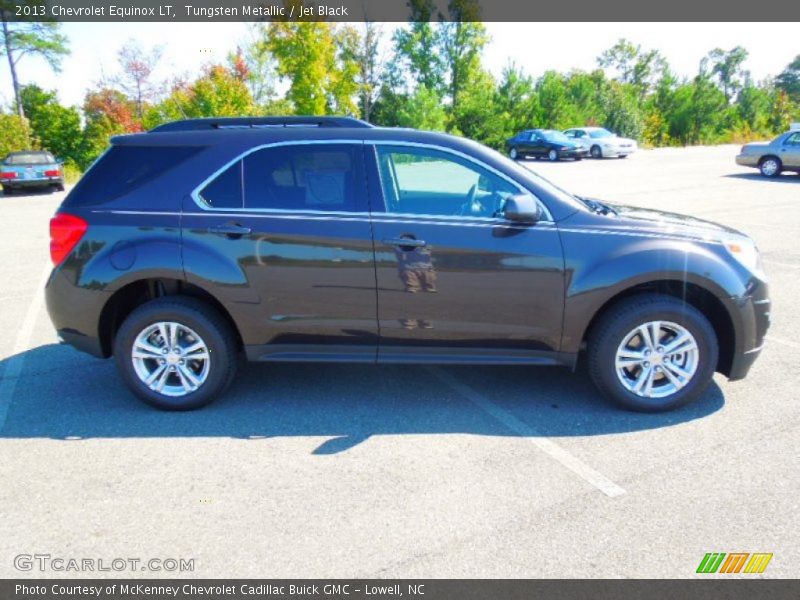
327	239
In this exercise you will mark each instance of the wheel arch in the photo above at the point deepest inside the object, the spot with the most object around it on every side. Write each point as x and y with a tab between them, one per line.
135	293
694	294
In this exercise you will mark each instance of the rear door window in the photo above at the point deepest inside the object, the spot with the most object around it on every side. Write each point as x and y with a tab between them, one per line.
225	190
323	177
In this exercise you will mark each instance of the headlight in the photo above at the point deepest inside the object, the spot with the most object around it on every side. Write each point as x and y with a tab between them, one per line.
744	250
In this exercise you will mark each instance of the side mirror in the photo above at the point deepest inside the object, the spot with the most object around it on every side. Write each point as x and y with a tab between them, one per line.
523	208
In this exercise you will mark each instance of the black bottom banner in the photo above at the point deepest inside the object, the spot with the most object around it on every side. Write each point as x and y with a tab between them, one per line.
381	589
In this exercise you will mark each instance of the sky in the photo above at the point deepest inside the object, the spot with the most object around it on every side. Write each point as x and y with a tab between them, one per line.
536	47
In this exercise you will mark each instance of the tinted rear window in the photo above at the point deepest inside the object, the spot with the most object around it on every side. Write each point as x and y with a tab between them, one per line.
30	158
123	169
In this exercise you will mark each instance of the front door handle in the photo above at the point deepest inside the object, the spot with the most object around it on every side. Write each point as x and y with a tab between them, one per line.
230	229
410	242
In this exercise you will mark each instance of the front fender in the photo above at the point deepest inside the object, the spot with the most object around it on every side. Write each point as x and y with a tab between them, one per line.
592	282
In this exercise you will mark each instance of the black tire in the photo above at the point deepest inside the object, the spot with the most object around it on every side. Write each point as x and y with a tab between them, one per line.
623	156
201	318
577	158
622	318
596	152
60	187
7	191
765	168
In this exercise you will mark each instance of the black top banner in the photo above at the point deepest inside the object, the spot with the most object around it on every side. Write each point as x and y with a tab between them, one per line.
399	10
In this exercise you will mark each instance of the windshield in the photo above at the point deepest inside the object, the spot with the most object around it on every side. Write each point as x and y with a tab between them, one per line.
538	181
600	133
555	136
30	158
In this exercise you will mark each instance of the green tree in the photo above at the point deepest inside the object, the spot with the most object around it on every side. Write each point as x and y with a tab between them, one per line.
726	67
423	110
416	48
15	134
306	55
369	68
789	80
633	65
462	40
21	39
55	127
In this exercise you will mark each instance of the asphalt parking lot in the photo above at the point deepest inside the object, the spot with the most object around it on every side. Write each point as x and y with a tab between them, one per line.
403	471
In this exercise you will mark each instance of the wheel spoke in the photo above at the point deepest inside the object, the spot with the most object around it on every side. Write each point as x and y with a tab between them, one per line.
629	358
186	373
143	349
162	331
173	334
669	374
162	380
670	366
155	375
644	333
682	343
642	379
194	347
186	381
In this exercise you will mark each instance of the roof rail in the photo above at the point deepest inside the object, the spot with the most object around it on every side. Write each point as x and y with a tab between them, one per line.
258	122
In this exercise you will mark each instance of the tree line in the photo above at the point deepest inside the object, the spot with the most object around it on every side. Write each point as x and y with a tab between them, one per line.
431	77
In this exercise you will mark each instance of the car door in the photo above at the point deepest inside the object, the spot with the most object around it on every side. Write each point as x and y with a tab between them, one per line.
790	151
283	235
456	281
538	145
524	143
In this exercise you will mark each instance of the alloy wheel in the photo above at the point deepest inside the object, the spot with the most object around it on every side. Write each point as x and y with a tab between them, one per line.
657	359
170	359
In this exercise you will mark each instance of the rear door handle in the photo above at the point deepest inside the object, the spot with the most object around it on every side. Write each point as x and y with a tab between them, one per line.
404	242
230	229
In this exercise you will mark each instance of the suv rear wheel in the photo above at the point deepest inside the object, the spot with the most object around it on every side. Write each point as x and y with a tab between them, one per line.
652	353
176	353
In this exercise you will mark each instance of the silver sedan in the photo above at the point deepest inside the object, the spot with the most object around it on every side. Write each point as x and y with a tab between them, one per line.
771	158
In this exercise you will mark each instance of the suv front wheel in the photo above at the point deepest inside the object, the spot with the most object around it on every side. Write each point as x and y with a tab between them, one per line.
652	353
176	353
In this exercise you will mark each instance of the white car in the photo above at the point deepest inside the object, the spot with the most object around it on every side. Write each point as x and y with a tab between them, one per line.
602	143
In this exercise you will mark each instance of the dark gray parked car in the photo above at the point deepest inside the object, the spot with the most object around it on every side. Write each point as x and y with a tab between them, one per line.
327	239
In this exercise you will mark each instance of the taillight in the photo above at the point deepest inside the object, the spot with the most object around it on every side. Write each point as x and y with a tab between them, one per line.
52	173
65	232
8	175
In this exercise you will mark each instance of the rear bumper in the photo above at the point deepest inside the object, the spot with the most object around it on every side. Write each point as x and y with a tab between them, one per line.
75	313
18	184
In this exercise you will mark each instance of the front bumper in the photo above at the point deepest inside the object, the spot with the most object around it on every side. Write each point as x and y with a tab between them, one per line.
747	160
753	320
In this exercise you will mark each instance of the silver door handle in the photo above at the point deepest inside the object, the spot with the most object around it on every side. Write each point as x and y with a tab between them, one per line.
404	242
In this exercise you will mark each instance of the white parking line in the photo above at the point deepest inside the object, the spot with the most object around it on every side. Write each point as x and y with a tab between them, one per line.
14	364
553	450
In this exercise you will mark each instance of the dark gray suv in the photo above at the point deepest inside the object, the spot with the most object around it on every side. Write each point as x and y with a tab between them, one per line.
327	239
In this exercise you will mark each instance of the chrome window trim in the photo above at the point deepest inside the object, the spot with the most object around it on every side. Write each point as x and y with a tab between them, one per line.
195	193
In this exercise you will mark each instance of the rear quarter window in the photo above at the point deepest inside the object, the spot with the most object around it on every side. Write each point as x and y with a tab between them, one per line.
123	169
